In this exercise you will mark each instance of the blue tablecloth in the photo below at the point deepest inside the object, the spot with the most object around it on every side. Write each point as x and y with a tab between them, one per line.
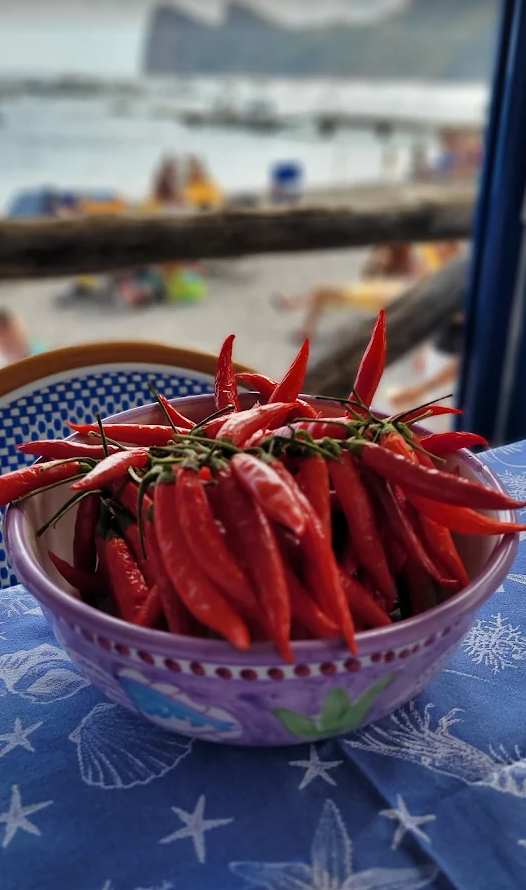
92	798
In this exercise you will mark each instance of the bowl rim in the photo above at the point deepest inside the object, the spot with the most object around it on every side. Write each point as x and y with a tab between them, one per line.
393	636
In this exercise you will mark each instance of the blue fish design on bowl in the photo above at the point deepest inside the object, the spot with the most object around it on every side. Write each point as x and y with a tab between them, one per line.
174	710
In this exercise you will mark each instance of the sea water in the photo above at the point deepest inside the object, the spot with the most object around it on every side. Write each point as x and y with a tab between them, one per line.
115	142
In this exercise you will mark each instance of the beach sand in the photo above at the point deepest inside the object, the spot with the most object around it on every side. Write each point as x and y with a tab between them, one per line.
240	302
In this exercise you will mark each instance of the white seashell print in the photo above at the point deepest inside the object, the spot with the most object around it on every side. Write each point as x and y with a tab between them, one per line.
43	675
115	749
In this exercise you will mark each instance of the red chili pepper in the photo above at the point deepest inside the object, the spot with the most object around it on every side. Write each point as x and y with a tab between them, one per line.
442	549
198	593
432	483
336	430
130	532
87	585
373	363
419	589
302	409
246	521
27	480
84	550
225	386
307	612
322	573
151	614
179	619
437	537
401	527
396	557
271	491
58	449
463	520
205	541
127	495
442	444
265	386
363	606
128	586
240	426
112	469
430	411
312	479
363	527
179	420
349	561
145	434
291	384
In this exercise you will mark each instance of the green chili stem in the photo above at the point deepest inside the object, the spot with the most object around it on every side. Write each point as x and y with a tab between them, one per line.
213	416
65	509
155	394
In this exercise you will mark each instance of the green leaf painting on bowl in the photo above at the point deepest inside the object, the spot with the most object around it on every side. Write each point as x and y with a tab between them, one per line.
338	713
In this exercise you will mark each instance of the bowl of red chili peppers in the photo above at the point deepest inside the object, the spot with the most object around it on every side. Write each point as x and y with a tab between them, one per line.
260	567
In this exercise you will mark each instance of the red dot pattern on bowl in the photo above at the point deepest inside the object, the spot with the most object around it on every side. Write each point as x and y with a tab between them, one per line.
261	672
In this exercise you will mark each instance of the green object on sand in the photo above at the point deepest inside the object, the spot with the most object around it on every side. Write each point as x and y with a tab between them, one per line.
187	286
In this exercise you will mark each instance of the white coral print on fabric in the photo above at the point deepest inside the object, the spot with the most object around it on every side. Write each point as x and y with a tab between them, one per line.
495	643
515	483
17	602
195	826
331	866
409	735
116	749
16	817
43	675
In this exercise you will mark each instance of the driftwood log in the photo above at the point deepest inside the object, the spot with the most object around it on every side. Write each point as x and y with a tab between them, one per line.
411	319
41	248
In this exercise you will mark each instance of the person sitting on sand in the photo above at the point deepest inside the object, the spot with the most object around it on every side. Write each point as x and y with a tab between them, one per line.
166	189
200	192
15	343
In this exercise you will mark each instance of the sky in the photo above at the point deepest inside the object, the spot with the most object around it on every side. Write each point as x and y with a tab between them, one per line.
105	37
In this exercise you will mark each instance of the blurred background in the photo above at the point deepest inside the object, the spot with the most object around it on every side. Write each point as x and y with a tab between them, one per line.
173	106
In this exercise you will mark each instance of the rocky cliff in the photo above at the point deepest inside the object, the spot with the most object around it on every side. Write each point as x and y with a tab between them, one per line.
436	39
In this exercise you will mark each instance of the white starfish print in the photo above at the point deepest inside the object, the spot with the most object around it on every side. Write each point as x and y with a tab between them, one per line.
18	738
195	826
15	817
330	865
522	842
406	822
315	768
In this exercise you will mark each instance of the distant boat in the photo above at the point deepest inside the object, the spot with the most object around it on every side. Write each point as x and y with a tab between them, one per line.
256	114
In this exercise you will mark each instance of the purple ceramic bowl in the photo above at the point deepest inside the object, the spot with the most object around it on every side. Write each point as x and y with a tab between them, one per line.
208	690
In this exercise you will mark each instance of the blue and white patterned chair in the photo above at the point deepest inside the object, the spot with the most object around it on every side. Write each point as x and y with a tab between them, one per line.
39	394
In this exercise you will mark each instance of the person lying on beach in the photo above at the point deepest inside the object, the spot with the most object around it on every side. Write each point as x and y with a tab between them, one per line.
390	270
15	343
